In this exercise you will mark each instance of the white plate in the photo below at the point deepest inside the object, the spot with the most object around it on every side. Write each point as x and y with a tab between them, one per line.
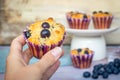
90	32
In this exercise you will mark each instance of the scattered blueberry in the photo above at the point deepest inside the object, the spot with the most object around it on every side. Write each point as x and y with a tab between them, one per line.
105	75
45	25
86	74
115	71
45	33
116	60
100	72
106	69
95	76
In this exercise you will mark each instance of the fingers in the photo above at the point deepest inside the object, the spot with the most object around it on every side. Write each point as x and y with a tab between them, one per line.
27	55
51	71
49	59
17	45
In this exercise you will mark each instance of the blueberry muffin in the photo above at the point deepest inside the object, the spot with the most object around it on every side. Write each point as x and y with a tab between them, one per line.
102	20
82	57
43	36
77	20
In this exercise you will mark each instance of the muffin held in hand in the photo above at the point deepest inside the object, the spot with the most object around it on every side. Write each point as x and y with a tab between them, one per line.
102	20
77	20
43	36
82	58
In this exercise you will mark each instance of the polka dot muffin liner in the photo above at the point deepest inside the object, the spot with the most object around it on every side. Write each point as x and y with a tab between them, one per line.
38	50
78	23
102	21
82	61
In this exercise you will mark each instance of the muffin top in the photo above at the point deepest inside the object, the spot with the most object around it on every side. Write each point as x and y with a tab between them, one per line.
78	15
82	51
45	32
101	14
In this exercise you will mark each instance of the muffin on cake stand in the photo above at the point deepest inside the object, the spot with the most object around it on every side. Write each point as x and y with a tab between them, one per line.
92	39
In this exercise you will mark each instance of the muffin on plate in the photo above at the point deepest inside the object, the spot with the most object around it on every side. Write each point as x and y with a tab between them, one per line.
102	20
77	20
43	36
82	57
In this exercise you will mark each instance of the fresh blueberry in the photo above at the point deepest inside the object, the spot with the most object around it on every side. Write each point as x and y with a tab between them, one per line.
86	52
45	25
111	63
94	12
79	50
117	65
95	76
105	75
86	74
100	72
116	60
45	33
100	12
85	16
115	71
108	70
98	67
106	12
27	34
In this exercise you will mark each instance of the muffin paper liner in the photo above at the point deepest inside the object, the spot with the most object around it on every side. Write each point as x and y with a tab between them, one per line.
39	50
77	23
82	61
102	22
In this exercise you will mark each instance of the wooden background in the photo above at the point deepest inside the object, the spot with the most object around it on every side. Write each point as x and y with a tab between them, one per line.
15	15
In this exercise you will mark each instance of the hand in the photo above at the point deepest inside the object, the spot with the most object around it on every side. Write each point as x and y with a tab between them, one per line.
17	67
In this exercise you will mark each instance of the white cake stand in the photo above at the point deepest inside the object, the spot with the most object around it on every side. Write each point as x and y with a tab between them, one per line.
92	39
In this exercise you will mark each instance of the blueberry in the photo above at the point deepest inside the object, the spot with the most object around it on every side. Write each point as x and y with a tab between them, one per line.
45	33
106	12
95	76
117	65
45	25
94	12
100	72
116	60
98	67
105	75
86	52
108	70
105	66
86	74
79	50
115	71
111	64
85	16
119	69
27	34
100	12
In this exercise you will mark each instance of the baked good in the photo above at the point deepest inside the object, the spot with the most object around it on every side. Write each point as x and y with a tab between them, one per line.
77	20
102	20
82	57
43	36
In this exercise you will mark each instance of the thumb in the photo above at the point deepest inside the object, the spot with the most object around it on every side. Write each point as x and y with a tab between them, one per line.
49	59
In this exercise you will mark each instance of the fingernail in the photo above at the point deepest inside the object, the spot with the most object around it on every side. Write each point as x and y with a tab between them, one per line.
57	52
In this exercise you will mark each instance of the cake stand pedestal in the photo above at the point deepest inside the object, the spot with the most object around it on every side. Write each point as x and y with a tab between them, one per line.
92	39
